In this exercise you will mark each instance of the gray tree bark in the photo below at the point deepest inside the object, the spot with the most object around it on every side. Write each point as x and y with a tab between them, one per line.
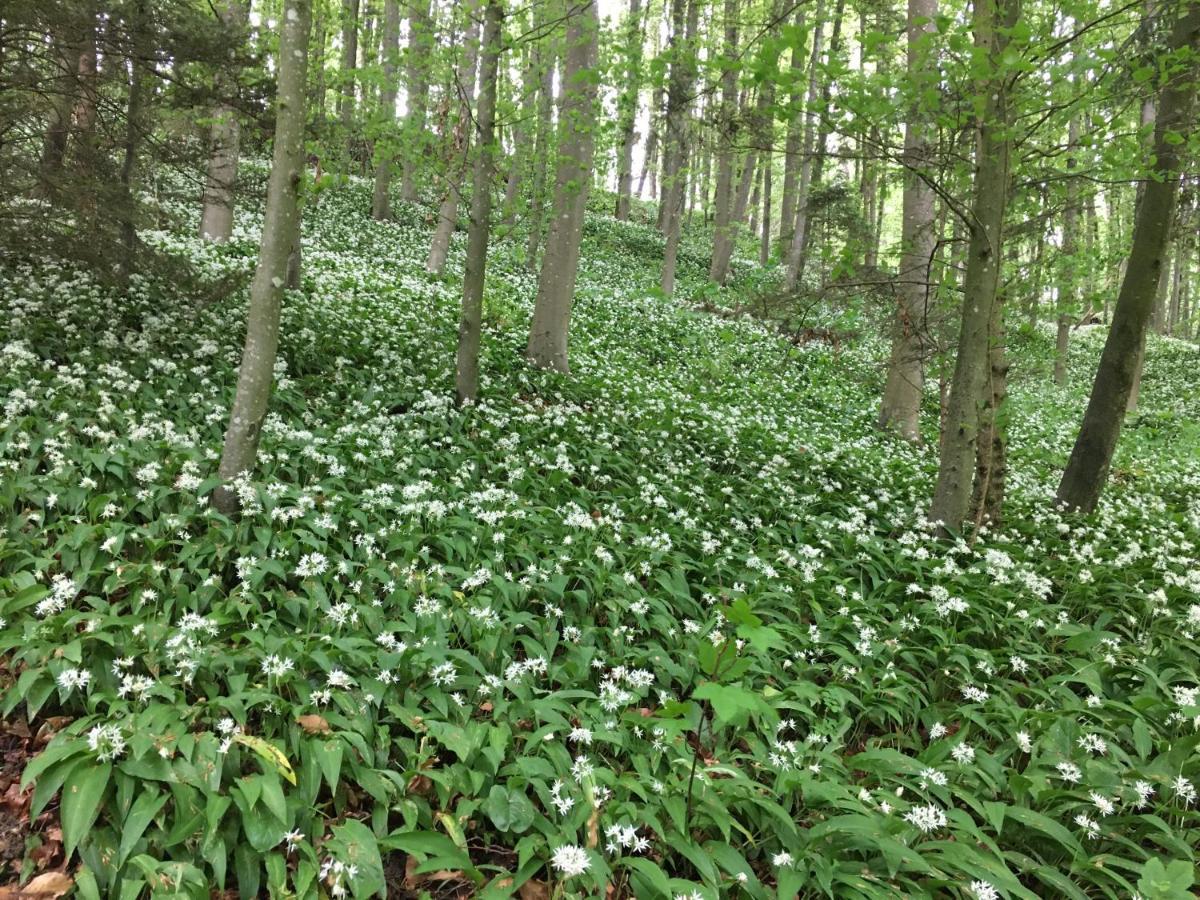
722	246
800	218
1068	282
901	406
389	49
1087	469
471	319
456	158
992	21
281	228
545	54
348	76
627	127
683	68
792	147
547	346
419	50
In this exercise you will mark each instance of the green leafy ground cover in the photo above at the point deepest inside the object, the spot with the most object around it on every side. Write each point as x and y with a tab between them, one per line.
671	626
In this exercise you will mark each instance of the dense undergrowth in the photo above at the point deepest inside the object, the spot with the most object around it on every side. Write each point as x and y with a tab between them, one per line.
671	625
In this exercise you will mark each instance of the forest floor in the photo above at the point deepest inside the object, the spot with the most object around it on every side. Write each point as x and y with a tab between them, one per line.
678	609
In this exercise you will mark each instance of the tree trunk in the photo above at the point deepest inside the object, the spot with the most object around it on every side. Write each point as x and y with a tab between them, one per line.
803	231
722	242
1068	280
1087	469
793	146
141	52
216	217
349	66
281	227
991	451
545	53
683	68
628	109
456	156
901	406
993	21
520	139
66	58
764	250
471	320
419	51
547	347
800	218
389	49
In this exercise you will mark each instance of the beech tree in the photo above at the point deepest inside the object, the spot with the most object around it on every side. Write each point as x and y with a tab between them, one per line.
280	234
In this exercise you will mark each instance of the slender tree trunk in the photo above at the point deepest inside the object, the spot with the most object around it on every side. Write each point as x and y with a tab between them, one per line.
1087	469
991	451
348	75
803	232
627	127
216	217
140	57
471	320
545	53
419	51
547	347
683	67
722	248
993	21
1068	280
800	220
389	50
901	407
650	163
793	146
764	250
281	227
66	56
520	138
456	157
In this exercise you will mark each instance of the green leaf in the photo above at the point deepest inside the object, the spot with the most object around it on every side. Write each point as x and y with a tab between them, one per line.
1166	882
731	703
509	810
147	805
81	798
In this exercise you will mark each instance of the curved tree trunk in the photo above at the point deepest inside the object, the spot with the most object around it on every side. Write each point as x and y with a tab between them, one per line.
281	229
901	406
547	346
1087	469
471	319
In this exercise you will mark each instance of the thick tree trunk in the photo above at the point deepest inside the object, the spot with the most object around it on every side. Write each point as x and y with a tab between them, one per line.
1087	469
389	49
66	56
901	406
471	320
348	76
1069	279
993	21
419	50
722	246
216	217
991	451
547	347
683	73
628	110
281	227
456	157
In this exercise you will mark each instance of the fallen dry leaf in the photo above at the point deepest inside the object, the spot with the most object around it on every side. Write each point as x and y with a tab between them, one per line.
314	724
47	886
534	890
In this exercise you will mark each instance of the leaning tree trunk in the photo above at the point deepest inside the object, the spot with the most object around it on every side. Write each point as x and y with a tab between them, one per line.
627	127
683	73
993	21
281	228
722	241
901	406
419	51
1068	281
389	49
216	217
1087	469
547	346
471	319
456	157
